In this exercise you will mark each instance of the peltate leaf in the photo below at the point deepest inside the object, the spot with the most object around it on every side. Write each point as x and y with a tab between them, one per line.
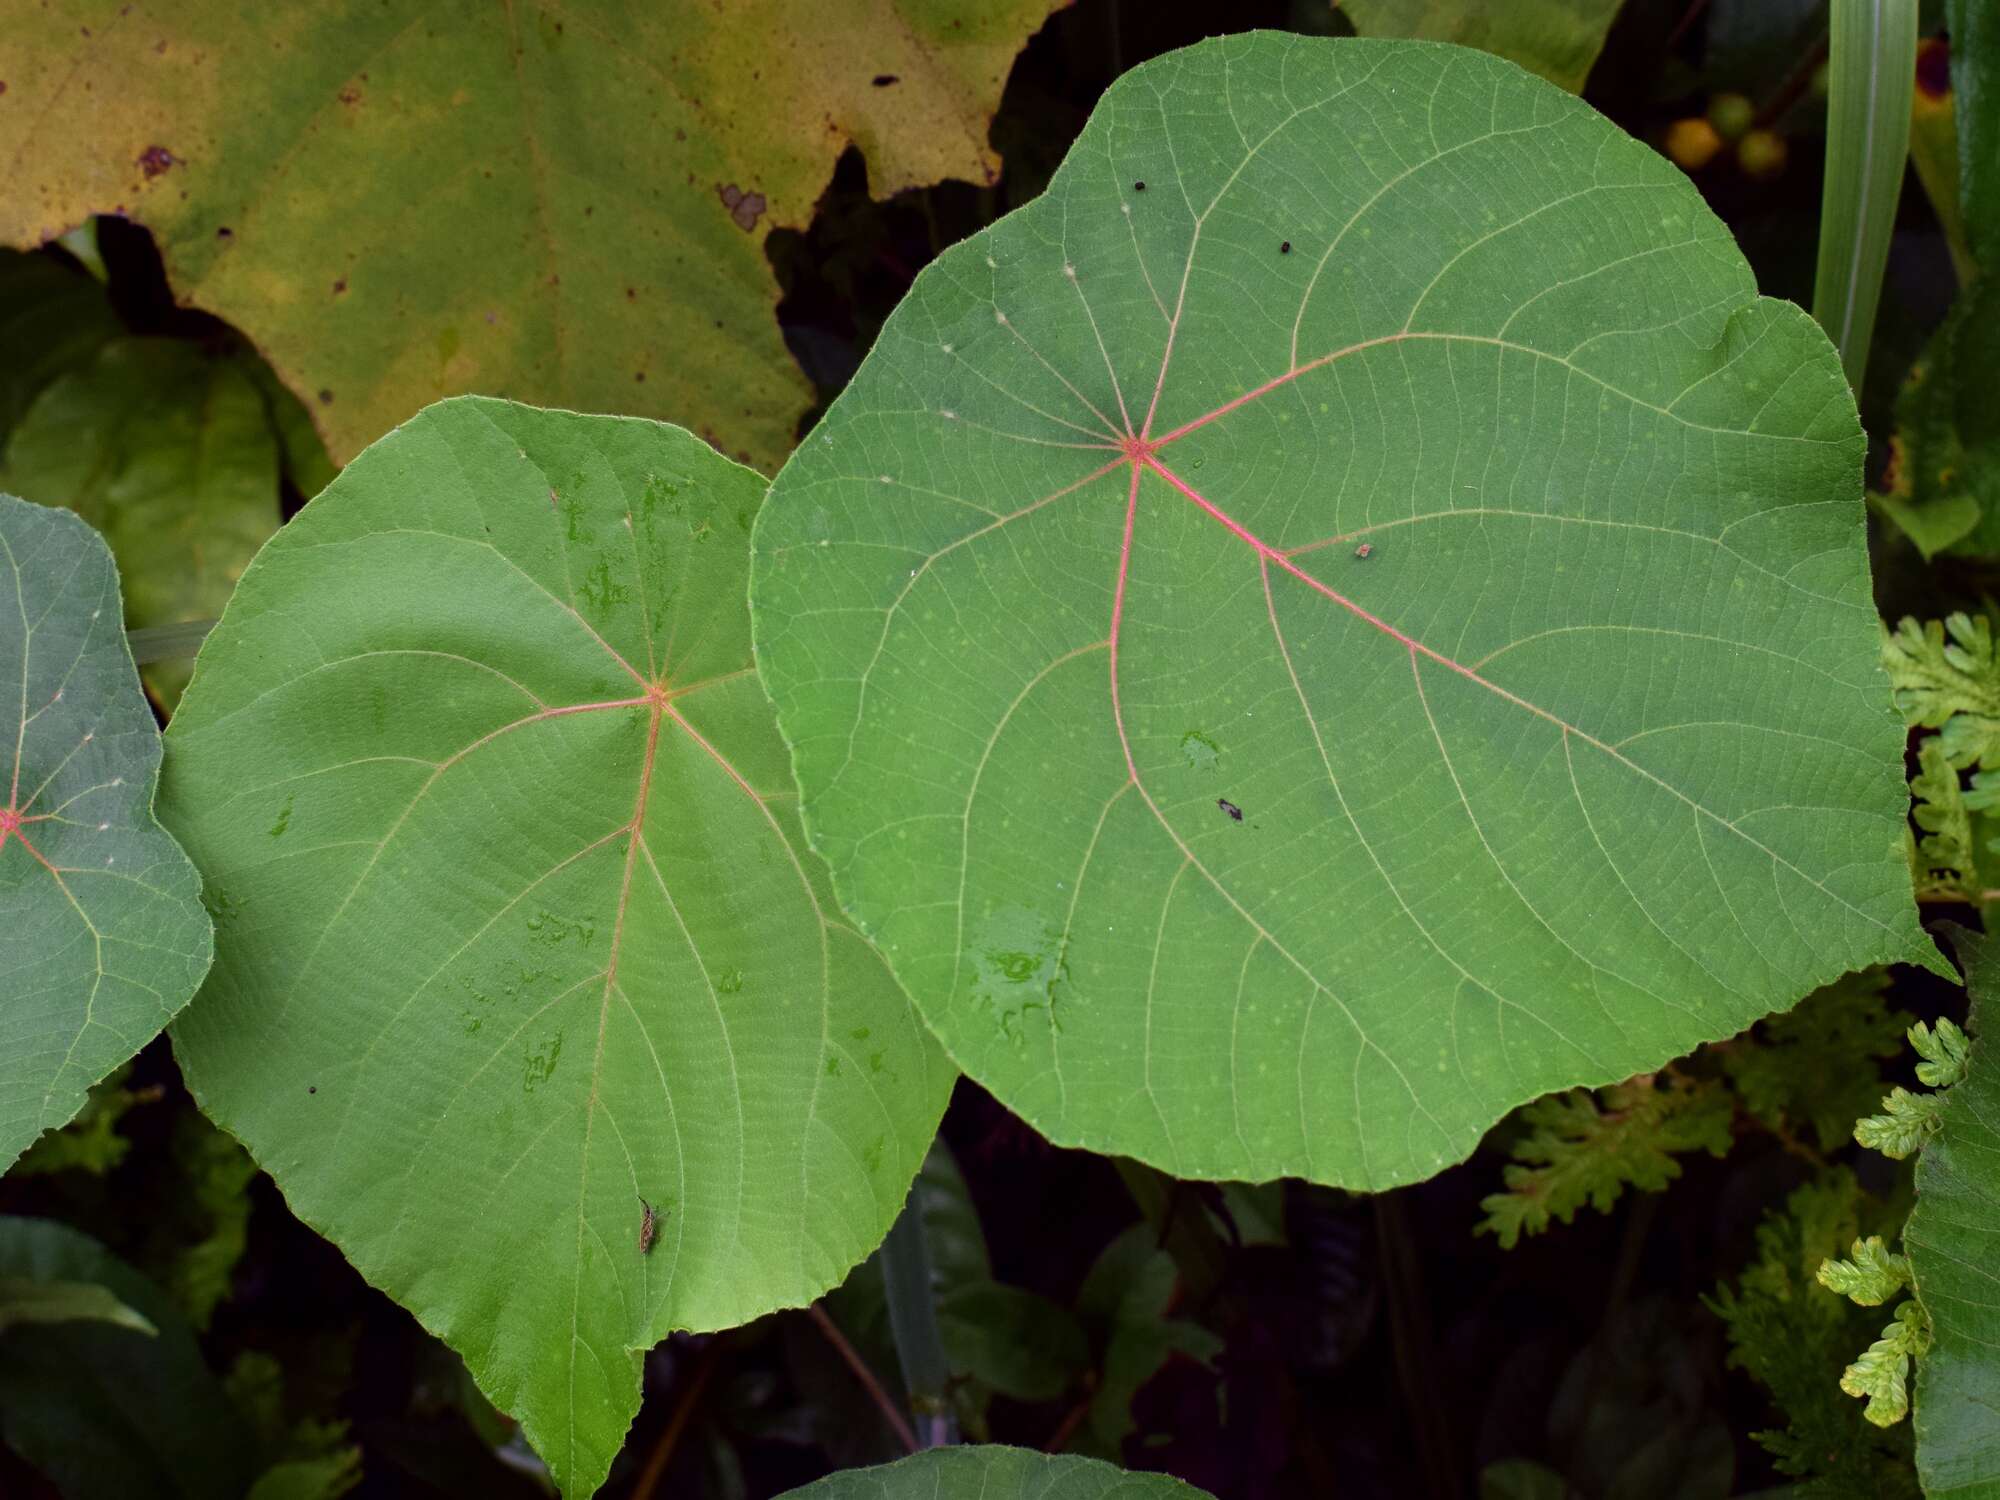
617	169
521	936
993	1472
104	935
1953	1244
1345	615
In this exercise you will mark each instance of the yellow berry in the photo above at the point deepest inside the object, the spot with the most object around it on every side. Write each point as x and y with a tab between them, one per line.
1731	115
1692	143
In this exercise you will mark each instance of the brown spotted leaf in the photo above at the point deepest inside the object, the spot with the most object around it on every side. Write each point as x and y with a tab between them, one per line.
561	203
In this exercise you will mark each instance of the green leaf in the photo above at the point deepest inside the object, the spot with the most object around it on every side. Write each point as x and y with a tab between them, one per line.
26	1301
90	1142
1818	1065
1881	1374
992	1472
1953	1243
1794	1337
1975	77
1936	492
105	937
1905	1123
52	319
520	932
1518	788
597	182
1944	859
1124	1304
1579	1150
1559	39
1872	63
1944	1052
169	453
1016	1341
109	1412
1871	1276
1521	1479
215	1204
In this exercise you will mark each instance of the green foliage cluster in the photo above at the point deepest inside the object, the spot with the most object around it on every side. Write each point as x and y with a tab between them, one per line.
1587	1147
1795	1339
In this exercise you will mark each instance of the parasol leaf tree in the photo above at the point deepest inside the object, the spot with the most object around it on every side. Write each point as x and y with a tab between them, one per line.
1345	615
530	996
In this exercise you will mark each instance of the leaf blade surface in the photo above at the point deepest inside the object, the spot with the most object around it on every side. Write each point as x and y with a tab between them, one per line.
1352	605
521	939
105	938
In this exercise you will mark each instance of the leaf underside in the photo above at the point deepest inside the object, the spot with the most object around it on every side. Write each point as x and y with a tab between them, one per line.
994	1472
520	935
1347	614
102	935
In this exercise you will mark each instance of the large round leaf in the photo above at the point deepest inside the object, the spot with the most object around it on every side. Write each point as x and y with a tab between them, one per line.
1347	614
102	935
992	1472
404	199
518	931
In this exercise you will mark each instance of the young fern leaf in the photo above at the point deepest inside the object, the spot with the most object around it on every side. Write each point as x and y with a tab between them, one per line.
1908	1119
1944	1052
1871	1276
1941	861
1944	676
1817	1065
1882	1373
1588	1148
1795	1339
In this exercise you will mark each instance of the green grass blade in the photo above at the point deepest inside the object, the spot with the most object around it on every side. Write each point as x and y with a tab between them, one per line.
1873	76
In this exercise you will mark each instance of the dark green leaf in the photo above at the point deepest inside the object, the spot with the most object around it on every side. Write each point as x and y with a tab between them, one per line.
169	453
109	1413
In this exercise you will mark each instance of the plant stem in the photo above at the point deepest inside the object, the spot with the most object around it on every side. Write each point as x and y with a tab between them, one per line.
906	1282
898	1423
1411	1340
1874	61
663	1450
165	642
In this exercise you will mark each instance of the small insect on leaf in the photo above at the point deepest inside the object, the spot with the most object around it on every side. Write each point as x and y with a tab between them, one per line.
1364	549
1230	807
649	1227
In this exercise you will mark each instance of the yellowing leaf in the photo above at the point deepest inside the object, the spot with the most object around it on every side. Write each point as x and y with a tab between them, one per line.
559	203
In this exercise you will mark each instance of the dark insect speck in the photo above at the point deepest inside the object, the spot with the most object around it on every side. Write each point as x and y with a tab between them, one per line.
1285	248
1139	187
312	1088
1230	807
649	1226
